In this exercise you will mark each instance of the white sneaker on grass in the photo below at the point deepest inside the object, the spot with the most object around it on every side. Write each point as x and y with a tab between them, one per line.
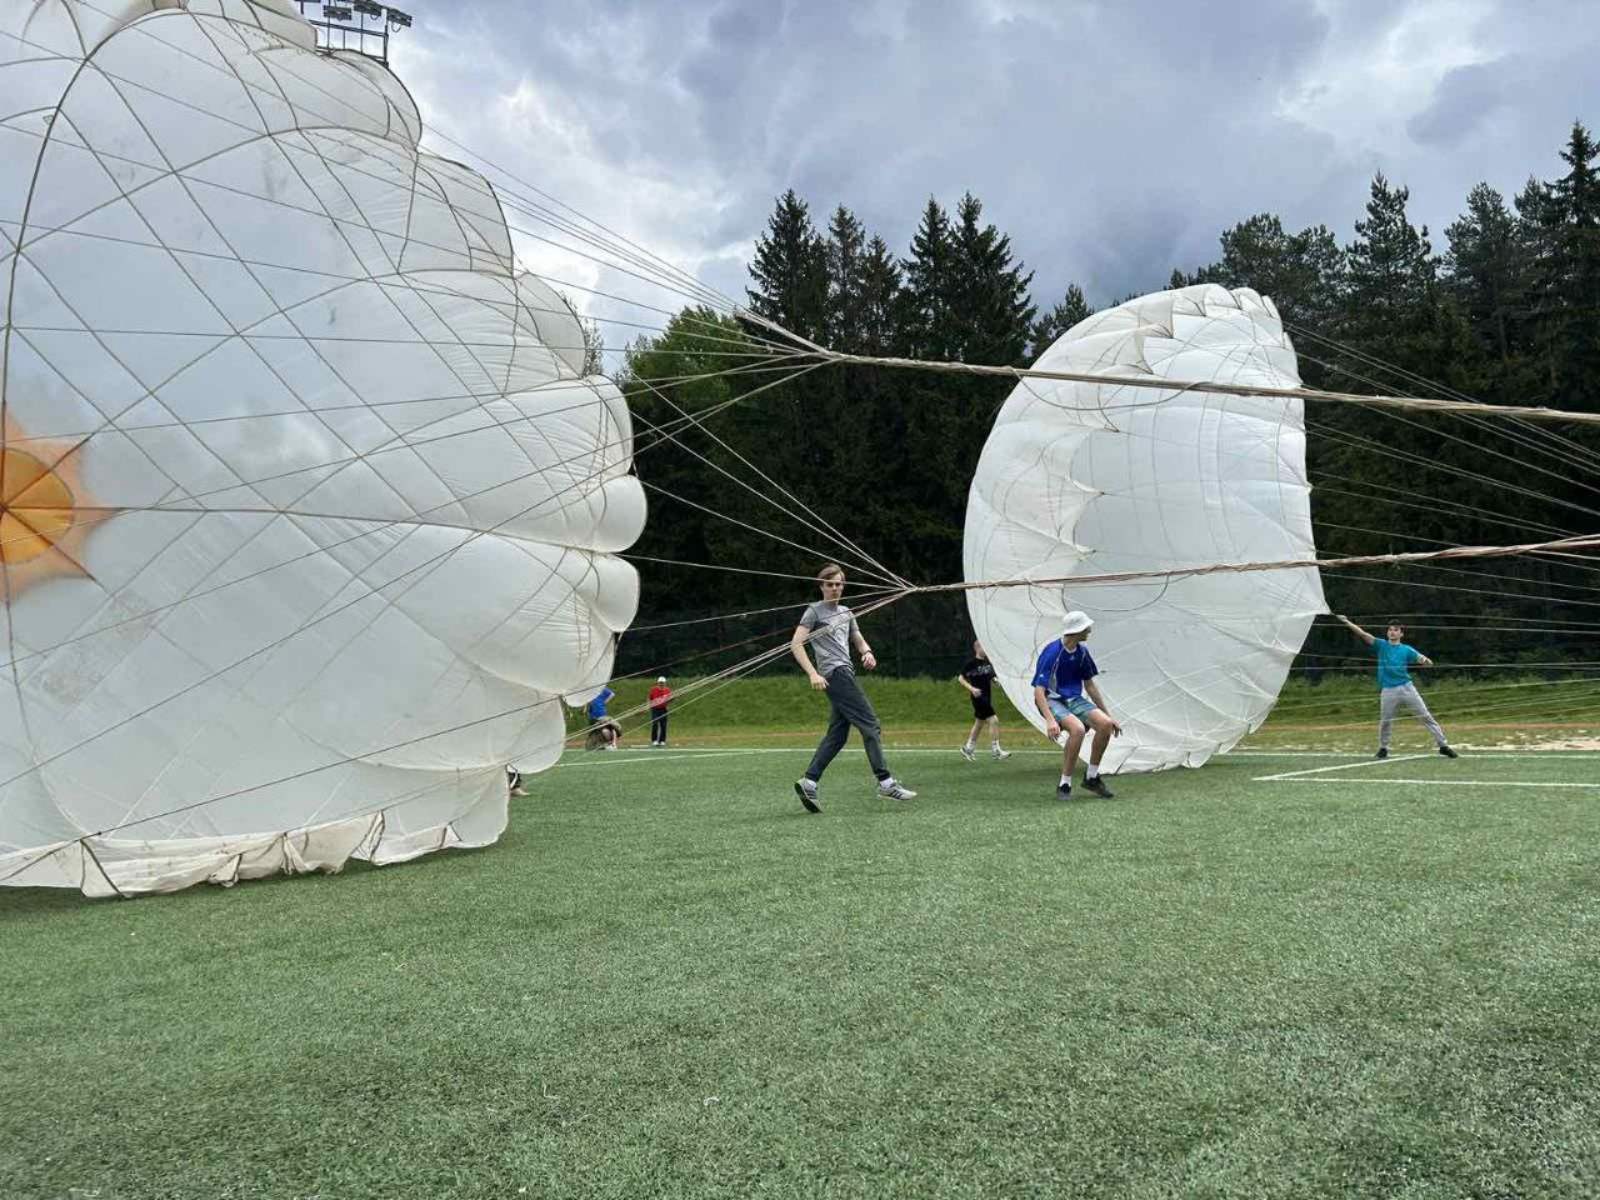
966	753
999	755
890	789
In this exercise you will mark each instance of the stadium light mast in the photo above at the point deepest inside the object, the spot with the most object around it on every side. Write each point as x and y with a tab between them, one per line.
359	25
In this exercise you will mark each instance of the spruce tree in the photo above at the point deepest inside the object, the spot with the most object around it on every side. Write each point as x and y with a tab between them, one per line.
790	271
1072	308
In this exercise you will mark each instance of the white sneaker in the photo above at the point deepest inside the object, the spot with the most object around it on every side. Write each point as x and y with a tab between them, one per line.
999	755
966	753
890	789
806	789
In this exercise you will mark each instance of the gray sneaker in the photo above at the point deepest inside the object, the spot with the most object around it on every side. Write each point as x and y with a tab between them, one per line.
966	753
890	789
999	755
806	789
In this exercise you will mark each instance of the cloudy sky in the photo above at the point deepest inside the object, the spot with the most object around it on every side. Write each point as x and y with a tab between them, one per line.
1113	140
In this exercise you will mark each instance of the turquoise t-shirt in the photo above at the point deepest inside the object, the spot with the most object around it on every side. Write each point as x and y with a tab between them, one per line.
1392	663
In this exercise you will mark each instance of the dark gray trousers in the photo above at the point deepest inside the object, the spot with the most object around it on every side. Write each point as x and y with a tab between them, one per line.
849	706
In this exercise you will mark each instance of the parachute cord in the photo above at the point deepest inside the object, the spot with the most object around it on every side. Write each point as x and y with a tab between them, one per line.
1561	545
1416	403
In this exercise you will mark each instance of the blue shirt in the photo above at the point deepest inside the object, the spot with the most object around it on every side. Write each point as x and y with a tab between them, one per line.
597	706
1392	663
1062	673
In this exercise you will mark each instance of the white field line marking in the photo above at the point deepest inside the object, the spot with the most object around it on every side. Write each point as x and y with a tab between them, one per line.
1448	783
645	756
1362	762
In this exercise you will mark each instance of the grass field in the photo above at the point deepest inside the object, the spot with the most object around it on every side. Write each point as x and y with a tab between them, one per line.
1285	974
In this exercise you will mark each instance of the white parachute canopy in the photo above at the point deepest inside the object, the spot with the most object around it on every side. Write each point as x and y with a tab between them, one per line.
1091	479
308	512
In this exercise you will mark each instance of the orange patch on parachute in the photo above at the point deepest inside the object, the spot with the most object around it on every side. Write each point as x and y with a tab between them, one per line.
41	501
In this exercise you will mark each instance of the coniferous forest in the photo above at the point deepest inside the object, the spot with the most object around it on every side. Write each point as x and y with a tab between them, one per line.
1504	308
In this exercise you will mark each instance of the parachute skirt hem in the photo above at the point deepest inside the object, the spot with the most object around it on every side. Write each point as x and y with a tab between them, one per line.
100	867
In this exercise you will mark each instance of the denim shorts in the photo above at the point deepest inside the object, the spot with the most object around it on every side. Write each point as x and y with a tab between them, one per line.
1077	706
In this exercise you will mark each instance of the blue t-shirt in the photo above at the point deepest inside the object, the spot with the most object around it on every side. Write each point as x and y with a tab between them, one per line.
597	706
1392	663
1061	673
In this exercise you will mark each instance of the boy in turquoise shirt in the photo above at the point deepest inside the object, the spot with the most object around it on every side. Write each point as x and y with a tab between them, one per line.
1395	660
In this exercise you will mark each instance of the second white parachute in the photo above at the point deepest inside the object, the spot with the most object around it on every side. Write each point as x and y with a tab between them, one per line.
1082	479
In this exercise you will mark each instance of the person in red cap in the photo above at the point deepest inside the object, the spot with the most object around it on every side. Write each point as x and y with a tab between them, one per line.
659	696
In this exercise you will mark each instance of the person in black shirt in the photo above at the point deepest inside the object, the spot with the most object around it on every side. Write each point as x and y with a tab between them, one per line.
978	678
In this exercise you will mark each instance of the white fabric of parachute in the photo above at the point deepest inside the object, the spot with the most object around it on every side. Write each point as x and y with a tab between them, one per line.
1091	479
342	505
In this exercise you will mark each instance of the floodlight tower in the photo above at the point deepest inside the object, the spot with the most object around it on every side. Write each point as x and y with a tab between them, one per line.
359	25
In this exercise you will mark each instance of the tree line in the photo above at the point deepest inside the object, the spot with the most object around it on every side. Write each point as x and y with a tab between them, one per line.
1506	311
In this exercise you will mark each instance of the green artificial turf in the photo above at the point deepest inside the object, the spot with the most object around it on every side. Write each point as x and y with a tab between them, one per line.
667	980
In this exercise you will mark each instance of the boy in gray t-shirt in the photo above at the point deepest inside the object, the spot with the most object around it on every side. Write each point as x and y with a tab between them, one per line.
831	628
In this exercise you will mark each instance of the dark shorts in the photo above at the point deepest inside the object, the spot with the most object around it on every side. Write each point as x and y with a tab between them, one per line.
982	708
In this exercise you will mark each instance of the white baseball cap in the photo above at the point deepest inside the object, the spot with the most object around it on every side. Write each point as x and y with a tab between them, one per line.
1075	622
661	678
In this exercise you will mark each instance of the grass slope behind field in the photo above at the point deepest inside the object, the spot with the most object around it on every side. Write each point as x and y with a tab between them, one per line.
1337	712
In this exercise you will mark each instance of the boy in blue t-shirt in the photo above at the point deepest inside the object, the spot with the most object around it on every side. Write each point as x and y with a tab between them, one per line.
604	728
1395	660
1069	700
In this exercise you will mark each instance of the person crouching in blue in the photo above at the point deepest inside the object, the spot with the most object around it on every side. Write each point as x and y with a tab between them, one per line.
1070	702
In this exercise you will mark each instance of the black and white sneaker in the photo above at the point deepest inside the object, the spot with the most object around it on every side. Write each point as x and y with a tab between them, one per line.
1064	791
966	753
806	789
1099	788
1383	752
1448	752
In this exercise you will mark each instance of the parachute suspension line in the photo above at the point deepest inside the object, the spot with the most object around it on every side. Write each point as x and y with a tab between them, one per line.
1422	502
1477	591
663	264
1583	542
1413	403
1376	447
1585	455
854	567
815	523
1477	422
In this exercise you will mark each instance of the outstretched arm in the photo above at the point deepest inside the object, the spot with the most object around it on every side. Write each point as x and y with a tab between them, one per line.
1355	629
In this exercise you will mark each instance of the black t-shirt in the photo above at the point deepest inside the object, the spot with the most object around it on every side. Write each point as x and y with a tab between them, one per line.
979	672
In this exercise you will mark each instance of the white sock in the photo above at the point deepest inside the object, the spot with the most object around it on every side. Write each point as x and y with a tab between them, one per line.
971	743
1066	781
1091	772
995	745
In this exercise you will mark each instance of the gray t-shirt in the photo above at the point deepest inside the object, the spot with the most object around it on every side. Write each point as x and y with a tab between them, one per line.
830	646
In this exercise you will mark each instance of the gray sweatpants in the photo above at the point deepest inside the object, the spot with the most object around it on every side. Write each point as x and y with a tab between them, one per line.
1389	701
849	706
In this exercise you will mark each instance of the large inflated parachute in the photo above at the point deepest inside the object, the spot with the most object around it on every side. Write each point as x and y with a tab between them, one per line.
1099	478
309	510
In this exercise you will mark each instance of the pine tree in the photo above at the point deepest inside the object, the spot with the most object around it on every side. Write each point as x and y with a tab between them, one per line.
990	312
929	282
790	271
1072	308
1486	271
1571	218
